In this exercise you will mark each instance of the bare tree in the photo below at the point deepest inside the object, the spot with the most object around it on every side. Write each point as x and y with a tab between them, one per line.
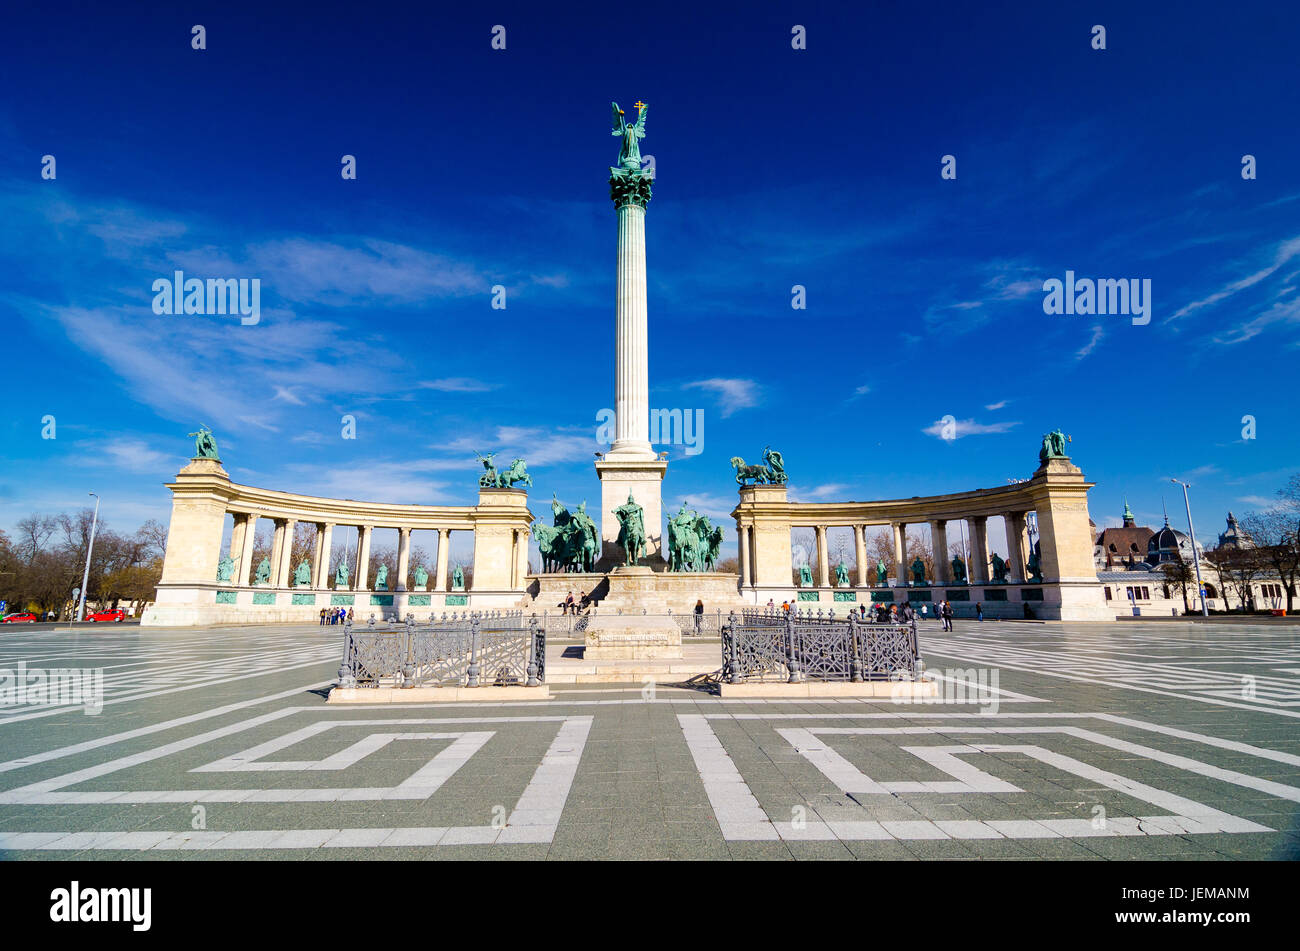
1277	535
1180	573
34	534
1237	570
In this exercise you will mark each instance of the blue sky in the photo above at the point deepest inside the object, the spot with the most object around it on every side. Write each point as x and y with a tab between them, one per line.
775	167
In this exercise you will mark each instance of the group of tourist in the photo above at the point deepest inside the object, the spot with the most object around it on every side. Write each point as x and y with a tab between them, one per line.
894	613
334	616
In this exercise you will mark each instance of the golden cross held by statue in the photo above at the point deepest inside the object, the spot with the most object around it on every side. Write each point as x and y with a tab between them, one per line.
639	104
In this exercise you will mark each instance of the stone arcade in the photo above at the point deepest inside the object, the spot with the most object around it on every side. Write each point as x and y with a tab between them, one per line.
203	495
1064	587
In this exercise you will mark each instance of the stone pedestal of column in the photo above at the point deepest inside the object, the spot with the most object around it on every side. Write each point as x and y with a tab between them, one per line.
643	477
632	636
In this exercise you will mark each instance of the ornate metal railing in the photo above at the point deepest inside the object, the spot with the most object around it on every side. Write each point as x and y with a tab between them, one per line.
797	646
494	648
565	625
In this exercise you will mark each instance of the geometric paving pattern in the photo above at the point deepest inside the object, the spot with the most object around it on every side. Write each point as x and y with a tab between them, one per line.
1118	741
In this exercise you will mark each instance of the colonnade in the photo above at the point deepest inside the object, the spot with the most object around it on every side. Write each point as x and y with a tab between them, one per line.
1056	498
322	563
978	557
196	588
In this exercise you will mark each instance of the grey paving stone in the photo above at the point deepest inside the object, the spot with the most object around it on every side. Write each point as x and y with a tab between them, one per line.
638	791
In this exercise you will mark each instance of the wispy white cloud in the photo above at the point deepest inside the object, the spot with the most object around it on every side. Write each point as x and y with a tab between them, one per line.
213	370
382	480
1091	345
1197	473
342	272
1259	501
1284	253
129	454
458	384
716	507
732	394
967	427
998	405
818	493
1281	311
287	395
537	445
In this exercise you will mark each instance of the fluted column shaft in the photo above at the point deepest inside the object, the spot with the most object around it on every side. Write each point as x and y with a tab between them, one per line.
979	552
742	551
823	559
939	542
900	552
363	557
249	538
403	557
324	548
632	377
283	573
1015	523
444	543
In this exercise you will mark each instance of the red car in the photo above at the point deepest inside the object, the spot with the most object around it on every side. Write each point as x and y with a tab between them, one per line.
117	614
24	618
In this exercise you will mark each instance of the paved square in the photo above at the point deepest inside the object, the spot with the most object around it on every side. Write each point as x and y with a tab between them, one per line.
1131	740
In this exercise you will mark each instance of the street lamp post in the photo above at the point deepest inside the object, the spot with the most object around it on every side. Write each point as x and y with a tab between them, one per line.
85	578
1196	558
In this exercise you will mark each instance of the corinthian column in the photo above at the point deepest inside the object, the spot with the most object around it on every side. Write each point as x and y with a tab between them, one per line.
631	466
632	375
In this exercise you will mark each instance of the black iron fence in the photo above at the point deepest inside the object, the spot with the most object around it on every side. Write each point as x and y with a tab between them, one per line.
490	648
796	646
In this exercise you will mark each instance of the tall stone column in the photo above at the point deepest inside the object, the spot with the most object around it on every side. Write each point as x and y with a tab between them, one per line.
742	554
900	552
631	377
939	542
283	575
277	548
631	467
237	527
444	543
364	532
1015	525
979	550
521	559
823	559
860	548
324	548
246	559
403	557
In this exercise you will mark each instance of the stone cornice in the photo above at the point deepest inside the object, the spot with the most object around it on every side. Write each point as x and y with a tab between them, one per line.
496	506
977	503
